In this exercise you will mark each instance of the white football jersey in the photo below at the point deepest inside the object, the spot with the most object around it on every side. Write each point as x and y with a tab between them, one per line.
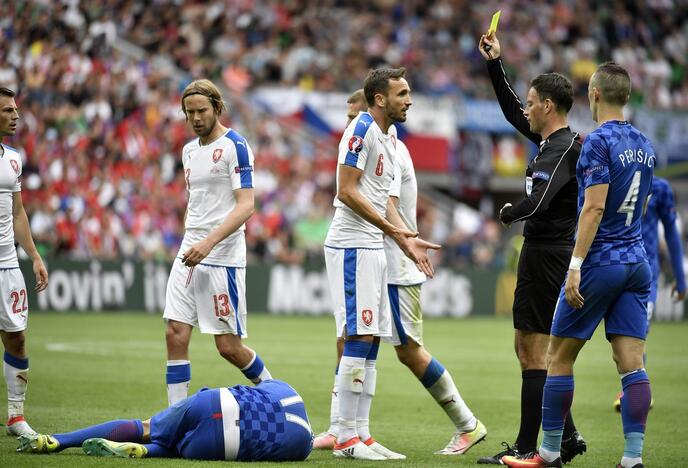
400	269
365	147
212	173
10	171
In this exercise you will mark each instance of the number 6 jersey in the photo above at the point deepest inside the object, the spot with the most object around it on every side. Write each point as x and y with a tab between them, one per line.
366	147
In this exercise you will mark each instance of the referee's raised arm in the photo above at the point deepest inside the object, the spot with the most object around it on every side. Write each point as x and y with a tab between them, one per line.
511	105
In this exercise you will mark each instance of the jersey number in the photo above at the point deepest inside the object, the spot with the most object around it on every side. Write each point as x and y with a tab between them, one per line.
221	305
379	169
628	205
16	297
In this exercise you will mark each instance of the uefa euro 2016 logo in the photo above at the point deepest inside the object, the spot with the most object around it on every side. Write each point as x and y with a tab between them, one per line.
355	144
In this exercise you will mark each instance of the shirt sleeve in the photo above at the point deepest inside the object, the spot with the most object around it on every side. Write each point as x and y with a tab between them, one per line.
511	105
395	188
550	174
667	213
241	165
17	184
354	149
594	162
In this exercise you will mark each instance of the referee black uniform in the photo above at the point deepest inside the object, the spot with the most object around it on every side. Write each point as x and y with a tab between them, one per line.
548	209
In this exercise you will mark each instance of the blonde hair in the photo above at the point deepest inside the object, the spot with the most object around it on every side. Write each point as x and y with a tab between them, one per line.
205	88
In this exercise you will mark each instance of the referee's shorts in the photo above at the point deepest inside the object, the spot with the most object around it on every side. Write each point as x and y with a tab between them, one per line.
541	272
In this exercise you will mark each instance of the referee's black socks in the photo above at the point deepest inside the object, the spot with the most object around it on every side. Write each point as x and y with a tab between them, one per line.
532	383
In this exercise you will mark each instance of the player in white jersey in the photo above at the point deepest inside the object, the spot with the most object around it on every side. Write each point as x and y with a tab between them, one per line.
206	287
404	282
355	258
14	311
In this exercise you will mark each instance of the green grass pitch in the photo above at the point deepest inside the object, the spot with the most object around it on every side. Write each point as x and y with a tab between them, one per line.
90	368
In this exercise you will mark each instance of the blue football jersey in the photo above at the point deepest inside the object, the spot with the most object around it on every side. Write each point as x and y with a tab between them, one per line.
659	207
618	154
273	422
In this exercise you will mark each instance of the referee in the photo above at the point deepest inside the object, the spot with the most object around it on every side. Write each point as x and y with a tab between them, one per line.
549	214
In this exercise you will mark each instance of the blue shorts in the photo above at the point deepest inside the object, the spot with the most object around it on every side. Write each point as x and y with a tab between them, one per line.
616	293
192	428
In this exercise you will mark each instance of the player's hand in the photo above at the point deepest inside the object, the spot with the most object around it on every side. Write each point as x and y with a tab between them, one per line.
41	274
506	205
197	252
677	295
423	262
491	43
415	249
573	295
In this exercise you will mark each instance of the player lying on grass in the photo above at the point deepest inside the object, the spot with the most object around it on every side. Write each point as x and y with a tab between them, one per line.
265	422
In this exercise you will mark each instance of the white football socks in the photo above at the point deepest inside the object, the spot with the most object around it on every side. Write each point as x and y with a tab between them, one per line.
350	380
334	410
366	401
178	380
446	394
17	380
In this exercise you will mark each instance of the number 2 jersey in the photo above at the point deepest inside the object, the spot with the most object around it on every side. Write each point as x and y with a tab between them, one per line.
366	147
212	173
618	154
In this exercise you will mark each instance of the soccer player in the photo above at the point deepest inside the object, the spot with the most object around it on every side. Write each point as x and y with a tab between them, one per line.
404	281
609	275
14	313
267	422
549	213
660	206
355	258
207	287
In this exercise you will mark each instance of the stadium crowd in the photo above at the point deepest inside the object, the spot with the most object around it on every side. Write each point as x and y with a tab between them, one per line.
102	130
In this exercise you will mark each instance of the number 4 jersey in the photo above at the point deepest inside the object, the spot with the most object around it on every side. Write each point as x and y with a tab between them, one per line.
618	154
366	147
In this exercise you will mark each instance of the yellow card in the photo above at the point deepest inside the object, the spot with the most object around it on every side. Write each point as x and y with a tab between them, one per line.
494	23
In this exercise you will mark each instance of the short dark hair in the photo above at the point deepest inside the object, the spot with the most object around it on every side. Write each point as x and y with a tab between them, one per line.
7	92
613	82
555	87
377	81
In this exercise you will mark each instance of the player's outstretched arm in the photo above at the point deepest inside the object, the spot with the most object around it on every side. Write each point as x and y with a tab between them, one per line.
414	248
673	240
588	222
235	219
22	233
511	105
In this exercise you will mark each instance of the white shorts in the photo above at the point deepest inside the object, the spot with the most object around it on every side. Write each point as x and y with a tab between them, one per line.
358	278
212	298
407	315
14	315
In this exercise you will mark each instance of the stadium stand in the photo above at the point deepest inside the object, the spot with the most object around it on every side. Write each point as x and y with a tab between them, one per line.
99	86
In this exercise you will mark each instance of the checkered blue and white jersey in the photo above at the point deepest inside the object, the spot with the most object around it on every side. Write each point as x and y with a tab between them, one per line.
619	155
